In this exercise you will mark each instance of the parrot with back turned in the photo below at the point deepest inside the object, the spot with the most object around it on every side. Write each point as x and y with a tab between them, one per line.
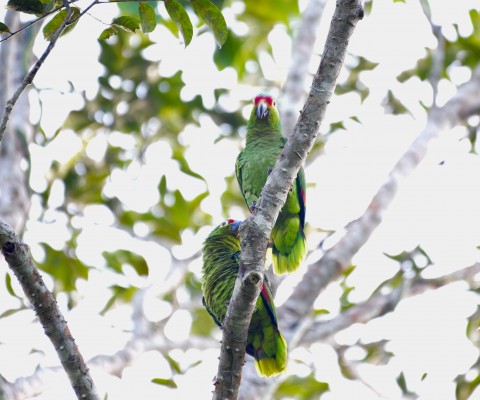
221	254
264	143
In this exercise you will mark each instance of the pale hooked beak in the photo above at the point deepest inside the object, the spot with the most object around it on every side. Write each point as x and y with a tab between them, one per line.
262	109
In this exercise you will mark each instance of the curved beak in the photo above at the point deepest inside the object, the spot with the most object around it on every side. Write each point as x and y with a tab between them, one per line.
262	109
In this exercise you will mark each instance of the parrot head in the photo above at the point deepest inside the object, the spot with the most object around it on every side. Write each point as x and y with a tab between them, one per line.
264	108
227	228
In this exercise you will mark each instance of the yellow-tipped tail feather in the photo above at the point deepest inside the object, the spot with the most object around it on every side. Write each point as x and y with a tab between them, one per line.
286	263
271	366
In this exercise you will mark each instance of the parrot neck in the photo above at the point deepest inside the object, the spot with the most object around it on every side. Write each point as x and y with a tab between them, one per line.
262	133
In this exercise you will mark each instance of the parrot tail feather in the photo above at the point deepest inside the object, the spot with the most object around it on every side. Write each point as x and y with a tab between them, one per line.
284	263
272	365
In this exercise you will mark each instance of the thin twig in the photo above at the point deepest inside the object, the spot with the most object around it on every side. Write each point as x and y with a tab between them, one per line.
31	75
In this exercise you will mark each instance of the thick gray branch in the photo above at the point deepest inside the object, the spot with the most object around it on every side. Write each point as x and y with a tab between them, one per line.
18	257
256	230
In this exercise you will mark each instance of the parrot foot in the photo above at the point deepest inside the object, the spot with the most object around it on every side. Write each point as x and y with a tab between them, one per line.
253	206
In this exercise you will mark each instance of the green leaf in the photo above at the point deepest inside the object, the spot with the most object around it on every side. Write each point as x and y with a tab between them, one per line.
294	387
174	365
8	284
165	382
402	383
63	267
119	293
178	15
213	18
9	312
129	24
148	21
55	23
107	33
4	28
26	6
184	167
116	260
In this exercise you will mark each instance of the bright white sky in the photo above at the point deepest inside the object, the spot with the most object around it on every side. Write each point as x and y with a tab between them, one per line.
437	207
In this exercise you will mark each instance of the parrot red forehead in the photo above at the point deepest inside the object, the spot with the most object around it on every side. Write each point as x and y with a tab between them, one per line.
268	99
230	221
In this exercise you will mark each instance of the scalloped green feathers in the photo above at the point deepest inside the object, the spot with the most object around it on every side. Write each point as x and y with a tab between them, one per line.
263	145
220	269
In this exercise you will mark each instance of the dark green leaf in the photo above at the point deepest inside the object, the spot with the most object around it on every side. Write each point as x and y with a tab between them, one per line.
26	6
402	383
394	105
184	167
119	293
180	17
54	24
148	20
213	18
4	28
66	269
165	382
116	260
162	187
174	365
130	24
107	33
8	284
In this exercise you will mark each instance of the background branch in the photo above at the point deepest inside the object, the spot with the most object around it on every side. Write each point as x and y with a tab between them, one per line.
380	304
465	103
293	92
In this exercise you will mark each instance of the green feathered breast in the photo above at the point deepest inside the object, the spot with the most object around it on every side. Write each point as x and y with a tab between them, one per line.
263	145
265	343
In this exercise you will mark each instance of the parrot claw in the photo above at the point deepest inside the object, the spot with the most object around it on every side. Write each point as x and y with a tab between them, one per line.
253	206
269	170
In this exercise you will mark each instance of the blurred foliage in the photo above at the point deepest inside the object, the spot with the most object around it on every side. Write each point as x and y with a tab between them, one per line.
307	388
464	51
136	16
136	103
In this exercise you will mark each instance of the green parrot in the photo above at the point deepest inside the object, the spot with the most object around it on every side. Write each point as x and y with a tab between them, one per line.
263	145
221	253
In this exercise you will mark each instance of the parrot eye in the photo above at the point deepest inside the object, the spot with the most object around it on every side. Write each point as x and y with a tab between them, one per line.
274	103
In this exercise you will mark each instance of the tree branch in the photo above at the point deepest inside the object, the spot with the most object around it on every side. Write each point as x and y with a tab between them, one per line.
256	230
17	255
380	304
